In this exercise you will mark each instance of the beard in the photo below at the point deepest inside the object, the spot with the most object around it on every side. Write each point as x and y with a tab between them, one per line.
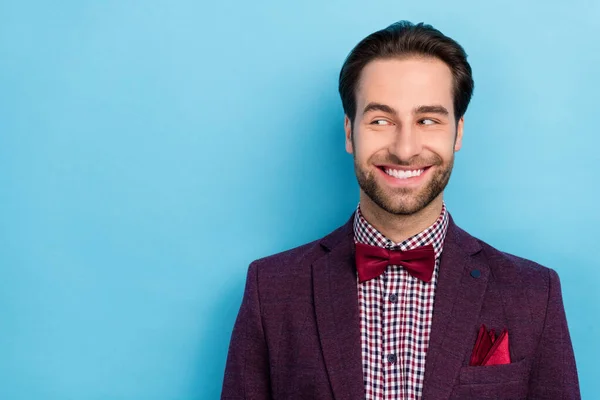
405	201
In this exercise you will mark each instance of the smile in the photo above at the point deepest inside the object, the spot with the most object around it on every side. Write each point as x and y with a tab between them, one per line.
403	174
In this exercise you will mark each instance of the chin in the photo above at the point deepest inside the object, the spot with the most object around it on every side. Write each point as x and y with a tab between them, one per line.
405	208
408	203
402	200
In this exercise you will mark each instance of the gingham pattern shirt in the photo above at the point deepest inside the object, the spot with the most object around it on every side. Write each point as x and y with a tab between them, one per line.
395	316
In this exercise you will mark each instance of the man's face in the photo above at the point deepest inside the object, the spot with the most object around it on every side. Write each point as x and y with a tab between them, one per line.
405	133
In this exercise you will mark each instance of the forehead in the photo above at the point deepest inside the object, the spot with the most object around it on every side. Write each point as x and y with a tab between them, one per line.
405	83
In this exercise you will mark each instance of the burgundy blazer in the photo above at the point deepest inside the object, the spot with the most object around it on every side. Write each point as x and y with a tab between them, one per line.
297	333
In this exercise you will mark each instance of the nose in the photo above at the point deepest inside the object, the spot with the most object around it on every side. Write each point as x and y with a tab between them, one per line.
406	144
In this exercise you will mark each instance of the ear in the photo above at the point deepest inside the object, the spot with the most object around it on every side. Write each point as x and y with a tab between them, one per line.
459	134
348	130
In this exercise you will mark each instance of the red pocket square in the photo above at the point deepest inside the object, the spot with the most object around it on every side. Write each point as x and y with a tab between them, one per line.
489	349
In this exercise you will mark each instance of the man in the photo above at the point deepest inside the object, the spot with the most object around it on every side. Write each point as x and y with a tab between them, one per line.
400	303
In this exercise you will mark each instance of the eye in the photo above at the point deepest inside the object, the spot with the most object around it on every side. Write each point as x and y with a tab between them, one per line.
427	121
380	122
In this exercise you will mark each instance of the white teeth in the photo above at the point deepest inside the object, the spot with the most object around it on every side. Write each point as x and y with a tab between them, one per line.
401	174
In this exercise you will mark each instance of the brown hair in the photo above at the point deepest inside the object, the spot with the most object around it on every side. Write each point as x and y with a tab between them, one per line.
402	39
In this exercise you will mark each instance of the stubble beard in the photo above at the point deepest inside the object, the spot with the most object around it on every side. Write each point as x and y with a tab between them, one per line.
404	201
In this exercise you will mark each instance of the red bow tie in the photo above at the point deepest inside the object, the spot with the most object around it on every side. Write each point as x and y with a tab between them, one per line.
371	261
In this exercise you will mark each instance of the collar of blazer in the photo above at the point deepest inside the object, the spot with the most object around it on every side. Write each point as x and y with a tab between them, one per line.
459	296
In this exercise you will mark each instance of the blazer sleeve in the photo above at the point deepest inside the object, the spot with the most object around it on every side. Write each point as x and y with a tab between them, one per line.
247	368
554	374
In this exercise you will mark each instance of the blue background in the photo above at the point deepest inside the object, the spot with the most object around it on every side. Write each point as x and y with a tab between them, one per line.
149	151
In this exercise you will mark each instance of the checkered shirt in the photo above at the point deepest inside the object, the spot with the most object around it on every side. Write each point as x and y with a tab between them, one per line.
395	316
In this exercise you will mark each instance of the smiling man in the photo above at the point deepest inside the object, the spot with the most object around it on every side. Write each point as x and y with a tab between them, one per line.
400	303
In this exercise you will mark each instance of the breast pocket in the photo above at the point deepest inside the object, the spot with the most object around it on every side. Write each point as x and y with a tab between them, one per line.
513	372
507	381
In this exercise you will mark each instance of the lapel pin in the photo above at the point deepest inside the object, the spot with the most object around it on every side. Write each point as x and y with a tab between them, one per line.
475	273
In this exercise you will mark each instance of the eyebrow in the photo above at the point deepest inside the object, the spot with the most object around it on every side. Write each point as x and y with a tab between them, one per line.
432	109
435	109
379	107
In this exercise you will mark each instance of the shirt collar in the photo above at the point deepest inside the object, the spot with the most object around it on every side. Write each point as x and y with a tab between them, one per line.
435	234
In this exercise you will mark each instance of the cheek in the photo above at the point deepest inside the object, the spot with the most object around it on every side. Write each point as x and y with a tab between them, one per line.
366	144
442	144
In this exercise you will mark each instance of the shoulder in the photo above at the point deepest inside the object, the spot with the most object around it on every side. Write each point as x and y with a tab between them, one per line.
507	270
288	260
516	285
296	262
512	271
522	266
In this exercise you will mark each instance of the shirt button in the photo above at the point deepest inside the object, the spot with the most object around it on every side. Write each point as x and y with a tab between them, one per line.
391	358
393	298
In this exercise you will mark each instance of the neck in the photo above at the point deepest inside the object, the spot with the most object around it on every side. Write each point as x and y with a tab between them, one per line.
398	228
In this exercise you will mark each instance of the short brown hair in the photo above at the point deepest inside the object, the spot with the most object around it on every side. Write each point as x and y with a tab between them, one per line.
402	39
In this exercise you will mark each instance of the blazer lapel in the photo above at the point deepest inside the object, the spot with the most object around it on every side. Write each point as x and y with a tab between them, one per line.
462	281
336	308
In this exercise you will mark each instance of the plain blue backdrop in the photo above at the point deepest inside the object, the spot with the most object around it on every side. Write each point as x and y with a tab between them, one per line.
149	151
